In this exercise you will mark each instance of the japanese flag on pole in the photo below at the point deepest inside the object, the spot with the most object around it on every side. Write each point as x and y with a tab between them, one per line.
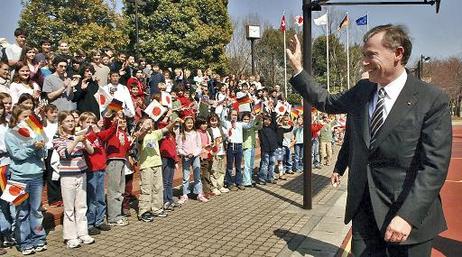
280	108
103	98
166	99
155	110
15	192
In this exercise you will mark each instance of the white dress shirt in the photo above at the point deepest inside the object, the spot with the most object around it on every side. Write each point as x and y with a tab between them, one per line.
122	94
393	89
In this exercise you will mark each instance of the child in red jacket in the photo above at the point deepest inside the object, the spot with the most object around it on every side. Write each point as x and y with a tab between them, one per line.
117	149
96	162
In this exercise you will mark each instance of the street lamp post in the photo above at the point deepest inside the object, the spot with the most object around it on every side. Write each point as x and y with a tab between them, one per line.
252	33
137	3
420	64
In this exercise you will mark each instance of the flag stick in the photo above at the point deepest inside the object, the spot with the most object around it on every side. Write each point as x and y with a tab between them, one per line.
285	60
348	53
327	51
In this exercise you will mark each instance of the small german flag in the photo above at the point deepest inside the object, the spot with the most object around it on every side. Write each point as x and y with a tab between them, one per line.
3	178
35	125
258	108
115	105
244	100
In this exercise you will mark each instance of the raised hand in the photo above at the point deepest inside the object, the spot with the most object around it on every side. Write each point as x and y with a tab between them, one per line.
295	54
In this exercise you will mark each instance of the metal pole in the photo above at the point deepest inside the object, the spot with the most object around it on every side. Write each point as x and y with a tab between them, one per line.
136	28
252	54
327	52
307	174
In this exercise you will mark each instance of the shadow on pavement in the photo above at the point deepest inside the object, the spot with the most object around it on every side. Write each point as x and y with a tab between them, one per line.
285	199
296	185
447	246
310	245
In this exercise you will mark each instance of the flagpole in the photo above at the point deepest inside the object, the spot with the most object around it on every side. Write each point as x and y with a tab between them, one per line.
367	21
348	52
285	59
327	51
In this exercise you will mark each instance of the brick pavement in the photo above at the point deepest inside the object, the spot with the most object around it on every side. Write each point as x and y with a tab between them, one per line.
261	221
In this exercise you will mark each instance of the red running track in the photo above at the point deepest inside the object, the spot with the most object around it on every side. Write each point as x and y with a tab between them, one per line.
449	243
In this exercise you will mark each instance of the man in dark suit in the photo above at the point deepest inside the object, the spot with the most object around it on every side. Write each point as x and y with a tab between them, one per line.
399	147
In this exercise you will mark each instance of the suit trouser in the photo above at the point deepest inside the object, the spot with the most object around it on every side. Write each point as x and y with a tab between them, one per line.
367	240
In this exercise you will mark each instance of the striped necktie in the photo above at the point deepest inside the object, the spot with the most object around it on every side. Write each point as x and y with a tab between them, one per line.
377	117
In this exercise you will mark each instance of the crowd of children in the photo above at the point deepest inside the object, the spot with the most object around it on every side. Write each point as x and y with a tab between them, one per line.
211	125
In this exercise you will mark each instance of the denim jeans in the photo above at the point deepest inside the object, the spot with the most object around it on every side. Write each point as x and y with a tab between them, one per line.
315	151
195	162
249	160
234	159
95	198
298	157
287	159
29	229
168	170
267	167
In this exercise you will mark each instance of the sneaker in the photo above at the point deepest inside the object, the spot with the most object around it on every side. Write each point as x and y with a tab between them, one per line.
160	214
73	243
104	227
202	198
183	199
121	222
224	190
169	206
28	251
240	187
216	191
8	241
40	248
94	231
87	240
146	217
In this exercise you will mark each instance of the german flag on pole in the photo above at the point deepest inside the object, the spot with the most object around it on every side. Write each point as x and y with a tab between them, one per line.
244	100
3	178
258	107
345	22
115	105
35	125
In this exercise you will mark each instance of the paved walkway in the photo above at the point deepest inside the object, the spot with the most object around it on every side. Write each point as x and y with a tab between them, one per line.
261	221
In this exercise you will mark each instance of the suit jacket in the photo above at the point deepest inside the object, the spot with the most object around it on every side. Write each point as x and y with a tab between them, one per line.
406	166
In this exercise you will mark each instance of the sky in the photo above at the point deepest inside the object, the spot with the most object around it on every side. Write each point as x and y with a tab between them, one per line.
434	35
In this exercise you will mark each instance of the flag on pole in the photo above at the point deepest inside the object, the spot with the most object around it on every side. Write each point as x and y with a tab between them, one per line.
3	178
362	20
103	98
14	192
345	22
115	105
283	23
155	110
166	99
321	20
299	20
280	108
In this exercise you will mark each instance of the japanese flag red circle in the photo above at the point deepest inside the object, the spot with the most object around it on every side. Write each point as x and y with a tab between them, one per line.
24	132
156	111
14	190
102	99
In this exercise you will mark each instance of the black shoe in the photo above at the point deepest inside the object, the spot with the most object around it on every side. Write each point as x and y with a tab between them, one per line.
104	227
250	186
272	181
262	183
146	217
160	214
241	187
8	241
94	231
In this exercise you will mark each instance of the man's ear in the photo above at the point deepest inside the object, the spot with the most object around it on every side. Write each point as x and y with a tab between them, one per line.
399	54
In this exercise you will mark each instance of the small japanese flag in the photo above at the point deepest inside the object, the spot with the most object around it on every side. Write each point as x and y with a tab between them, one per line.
166	100
13	191
103	98
155	110
280	108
